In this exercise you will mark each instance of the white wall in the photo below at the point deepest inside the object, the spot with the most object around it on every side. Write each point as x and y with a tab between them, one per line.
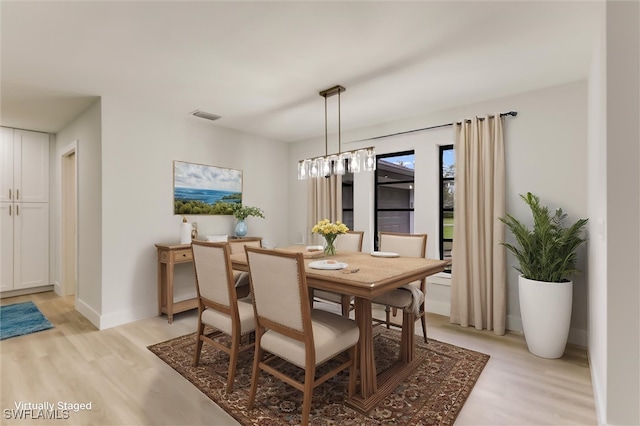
85	129
597	205
140	141
546	149
622	392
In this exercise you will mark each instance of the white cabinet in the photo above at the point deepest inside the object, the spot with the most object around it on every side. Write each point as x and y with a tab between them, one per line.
24	209
6	246
24	171
24	245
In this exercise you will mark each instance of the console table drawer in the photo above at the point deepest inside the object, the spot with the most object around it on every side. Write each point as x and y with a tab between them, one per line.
182	256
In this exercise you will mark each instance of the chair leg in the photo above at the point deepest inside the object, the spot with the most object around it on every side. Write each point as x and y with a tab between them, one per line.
255	373
346	305
387	312
196	355
309	379
233	360
424	326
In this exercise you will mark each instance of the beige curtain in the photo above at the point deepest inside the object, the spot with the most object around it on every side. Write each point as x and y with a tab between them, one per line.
324	202
478	276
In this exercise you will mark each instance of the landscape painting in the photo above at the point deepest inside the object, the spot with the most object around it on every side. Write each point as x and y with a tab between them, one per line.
202	189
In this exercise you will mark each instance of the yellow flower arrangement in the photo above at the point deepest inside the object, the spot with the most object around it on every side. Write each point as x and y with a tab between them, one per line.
329	231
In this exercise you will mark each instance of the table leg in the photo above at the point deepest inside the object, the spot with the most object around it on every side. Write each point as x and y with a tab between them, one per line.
374	388
160	286
408	337
169	300
368	377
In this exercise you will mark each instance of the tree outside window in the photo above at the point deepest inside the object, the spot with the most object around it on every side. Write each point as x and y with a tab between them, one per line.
447	189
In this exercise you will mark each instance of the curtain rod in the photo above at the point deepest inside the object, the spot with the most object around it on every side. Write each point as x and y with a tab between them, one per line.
510	113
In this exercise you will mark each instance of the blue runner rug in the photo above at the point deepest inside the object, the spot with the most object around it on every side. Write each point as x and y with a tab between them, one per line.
21	318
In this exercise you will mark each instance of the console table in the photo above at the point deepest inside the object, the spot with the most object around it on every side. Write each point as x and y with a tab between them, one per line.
168	256
171	254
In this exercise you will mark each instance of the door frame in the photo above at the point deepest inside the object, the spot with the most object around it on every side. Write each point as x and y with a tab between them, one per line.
63	154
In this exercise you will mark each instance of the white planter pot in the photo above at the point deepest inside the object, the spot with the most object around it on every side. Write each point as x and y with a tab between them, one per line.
546	315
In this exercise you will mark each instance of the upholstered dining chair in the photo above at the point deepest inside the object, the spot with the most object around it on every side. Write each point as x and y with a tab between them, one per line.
351	241
413	245
218	305
288	329
242	278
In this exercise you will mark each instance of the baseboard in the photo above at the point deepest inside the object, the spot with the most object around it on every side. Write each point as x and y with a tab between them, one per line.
88	312
104	321
23	291
124	317
439	308
514	323
578	337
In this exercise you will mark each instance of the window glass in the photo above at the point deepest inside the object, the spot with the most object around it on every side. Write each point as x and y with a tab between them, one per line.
395	188
447	189
347	199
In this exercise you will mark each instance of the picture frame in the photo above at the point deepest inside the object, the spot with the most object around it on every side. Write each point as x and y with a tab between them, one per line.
200	189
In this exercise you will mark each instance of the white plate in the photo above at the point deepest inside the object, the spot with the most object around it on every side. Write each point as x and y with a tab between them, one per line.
384	254
322	264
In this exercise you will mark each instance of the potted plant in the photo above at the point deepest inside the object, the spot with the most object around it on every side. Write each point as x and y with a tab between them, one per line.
547	259
241	212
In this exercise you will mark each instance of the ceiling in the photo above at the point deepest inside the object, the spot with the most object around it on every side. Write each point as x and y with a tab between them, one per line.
260	65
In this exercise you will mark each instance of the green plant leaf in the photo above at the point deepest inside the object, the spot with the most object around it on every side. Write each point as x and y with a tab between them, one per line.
547	252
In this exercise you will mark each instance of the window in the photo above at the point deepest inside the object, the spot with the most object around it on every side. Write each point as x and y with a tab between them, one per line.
447	188
394	186
347	199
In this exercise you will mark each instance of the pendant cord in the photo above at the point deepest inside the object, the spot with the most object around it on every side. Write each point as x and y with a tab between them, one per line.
326	137
339	126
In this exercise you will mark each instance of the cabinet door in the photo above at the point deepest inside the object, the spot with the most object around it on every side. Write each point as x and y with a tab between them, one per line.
31	245
31	166
6	246
6	165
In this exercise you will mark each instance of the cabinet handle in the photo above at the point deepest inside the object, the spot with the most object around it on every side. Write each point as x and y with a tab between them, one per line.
17	194
17	210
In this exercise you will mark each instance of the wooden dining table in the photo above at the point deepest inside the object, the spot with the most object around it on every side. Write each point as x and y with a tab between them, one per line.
374	276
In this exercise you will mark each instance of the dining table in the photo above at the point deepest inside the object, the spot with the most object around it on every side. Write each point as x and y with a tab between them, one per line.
365	276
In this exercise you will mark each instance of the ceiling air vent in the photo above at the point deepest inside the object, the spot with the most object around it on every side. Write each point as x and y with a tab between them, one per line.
206	115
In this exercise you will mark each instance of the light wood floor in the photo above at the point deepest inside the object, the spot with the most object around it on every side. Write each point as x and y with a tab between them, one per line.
128	385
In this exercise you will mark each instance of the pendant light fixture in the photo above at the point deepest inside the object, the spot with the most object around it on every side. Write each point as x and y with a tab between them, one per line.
336	164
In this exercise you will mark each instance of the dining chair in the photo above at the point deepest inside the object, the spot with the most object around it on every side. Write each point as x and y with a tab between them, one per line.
413	245
218	305
351	241
242	278
288	329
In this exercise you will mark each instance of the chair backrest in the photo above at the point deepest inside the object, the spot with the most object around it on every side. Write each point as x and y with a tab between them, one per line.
351	241
237	245
413	245
214	276
279	289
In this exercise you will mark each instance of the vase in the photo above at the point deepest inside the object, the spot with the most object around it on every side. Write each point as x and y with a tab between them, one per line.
329	245
241	228
545	309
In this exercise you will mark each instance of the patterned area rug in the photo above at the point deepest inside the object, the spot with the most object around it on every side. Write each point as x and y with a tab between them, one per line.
432	395
21	318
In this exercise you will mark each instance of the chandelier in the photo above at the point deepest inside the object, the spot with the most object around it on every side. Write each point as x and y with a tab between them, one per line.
363	159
